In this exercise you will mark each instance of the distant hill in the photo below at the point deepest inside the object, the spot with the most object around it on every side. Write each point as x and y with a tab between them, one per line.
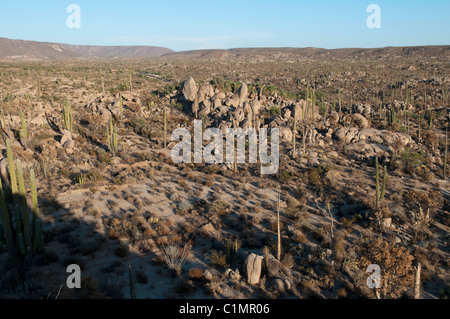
117	51
32	50
286	53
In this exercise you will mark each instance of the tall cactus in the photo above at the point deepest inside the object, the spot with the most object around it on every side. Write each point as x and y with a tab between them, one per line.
165	126
121	108
20	237
445	153
294	135
68	118
431	118
380	195
112	137
24	205
278	224
24	131
131	82
12	170
39	88
6	222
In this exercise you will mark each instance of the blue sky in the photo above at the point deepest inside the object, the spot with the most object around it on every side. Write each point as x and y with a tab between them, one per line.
217	24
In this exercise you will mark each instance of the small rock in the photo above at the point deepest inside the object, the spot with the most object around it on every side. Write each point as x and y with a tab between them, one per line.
207	275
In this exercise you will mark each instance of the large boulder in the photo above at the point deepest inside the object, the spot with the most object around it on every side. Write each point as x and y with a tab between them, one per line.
256	106
298	112
286	134
252	268
357	119
189	89
242	92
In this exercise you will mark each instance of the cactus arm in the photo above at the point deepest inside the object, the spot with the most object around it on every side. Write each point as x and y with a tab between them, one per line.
24	205
6	222
377	183
12	170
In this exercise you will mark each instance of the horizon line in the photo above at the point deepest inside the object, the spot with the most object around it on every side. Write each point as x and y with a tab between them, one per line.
235	48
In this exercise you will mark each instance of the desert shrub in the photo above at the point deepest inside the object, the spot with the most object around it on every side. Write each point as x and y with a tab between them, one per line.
220	208
141	277
431	139
397	272
217	259
430	201
316	174
196	273
111	287
175	257
47	257
213	169
122	251
168	89
284	176
141	127
411	160
89	290
274	111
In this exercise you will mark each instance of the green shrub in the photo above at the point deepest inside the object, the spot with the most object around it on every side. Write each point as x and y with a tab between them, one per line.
275	111
411	159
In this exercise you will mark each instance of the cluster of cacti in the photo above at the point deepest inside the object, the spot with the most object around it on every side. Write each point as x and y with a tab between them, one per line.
379	196
112	137
82	178
21	237
68	118
392	118
231	250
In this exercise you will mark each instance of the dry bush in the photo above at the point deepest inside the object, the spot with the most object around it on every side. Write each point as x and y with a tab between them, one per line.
217	259
220	208
196	273
397	272
175	257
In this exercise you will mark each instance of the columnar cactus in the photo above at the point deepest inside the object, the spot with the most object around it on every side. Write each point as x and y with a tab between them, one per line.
165	126
380	196
24	131
39	88
20	237
445	153
67	114
121	108
112	137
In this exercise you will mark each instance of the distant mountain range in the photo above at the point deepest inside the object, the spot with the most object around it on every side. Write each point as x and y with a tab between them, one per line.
32	50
